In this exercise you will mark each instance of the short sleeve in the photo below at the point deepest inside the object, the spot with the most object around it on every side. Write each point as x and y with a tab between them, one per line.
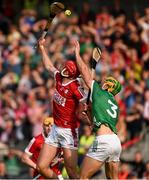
31	147
57	76
78	92
92	90
95	87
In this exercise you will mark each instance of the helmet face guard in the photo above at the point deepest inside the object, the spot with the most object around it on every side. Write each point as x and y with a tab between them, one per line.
71	68
112	85
63	73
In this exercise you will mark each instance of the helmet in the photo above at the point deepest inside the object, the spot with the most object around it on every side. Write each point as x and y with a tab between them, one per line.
72	69
112	85
48	121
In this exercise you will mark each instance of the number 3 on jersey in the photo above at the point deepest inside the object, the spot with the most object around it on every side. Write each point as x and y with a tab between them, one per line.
112	112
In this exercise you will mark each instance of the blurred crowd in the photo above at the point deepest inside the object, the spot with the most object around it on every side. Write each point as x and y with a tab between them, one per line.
27	88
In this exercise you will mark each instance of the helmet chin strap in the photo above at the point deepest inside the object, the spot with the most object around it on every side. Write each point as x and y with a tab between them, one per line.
64	75
104	86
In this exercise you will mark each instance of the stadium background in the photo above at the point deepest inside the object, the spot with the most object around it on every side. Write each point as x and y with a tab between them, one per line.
119	27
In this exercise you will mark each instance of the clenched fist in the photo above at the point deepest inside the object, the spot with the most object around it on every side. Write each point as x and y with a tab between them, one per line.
41	43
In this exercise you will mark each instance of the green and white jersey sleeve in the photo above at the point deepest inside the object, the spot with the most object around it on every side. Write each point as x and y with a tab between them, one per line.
104	107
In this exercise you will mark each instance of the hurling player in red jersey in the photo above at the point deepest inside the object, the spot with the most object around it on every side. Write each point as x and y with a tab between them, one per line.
68	93
32	151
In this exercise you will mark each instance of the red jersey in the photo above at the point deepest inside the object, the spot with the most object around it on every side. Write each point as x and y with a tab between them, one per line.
33	149
65	102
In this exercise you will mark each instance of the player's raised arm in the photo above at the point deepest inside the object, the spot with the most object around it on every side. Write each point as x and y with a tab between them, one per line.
83	68
46	60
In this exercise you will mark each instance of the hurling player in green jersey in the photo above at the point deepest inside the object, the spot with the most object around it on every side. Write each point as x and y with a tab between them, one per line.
106	147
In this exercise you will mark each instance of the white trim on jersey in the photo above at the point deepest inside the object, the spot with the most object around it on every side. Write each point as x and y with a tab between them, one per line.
36	177
55	72
92	90
29	153
68	82
29	146
60	177
83	99
82	92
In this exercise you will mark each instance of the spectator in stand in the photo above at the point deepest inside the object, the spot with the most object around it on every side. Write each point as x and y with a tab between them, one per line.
134	121
124	171
13	165
146	108
137	165
146	173
3	171
85	142
133	175
86	15
121	126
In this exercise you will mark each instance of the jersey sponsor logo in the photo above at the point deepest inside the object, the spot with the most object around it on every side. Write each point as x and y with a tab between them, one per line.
112	112
27	149
59	99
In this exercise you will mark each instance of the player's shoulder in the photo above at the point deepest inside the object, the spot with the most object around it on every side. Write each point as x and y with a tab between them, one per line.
95	85
56	72
74	84
39	140
95	82
57	75
39	137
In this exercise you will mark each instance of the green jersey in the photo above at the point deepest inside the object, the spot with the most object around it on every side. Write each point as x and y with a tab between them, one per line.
104	108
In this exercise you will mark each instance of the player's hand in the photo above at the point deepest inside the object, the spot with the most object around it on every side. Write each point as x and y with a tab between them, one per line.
85	107
77	47
41	43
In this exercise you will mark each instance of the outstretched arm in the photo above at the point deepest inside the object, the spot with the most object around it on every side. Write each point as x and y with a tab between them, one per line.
83	68
46	60
27	160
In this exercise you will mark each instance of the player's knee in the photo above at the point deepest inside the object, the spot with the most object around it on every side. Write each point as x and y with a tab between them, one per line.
83	176
70	166
41	168
72	171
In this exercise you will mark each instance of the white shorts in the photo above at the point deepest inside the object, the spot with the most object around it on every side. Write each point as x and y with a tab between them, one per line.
105	148
63	137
